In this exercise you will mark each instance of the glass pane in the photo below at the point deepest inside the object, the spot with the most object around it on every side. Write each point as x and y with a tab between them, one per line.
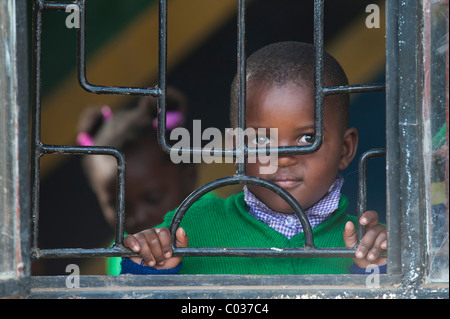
436	130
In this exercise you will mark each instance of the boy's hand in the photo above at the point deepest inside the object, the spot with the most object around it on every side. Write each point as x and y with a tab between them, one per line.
373	242
154	247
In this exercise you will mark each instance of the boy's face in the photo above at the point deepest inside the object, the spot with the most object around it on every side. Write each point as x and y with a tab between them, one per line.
307	178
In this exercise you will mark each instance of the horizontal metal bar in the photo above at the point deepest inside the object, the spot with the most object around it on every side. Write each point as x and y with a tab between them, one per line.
81	150
116	90
222	152
57	6
285	150
116	251
121	251
303	252
360	88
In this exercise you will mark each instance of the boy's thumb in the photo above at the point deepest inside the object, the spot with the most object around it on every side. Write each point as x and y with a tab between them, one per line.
182	238
350	238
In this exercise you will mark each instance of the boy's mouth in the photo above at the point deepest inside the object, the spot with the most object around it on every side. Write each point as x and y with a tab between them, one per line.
287	182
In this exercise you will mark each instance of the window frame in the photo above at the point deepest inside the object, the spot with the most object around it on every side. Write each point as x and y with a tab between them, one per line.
15	153
406	276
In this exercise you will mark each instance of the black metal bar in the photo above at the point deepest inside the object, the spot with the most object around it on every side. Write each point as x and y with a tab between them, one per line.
36	118
242	86
393	146
241	179
121	251
362	185
354	88
319	95
99	89
61	6
300	252
115	251
162	67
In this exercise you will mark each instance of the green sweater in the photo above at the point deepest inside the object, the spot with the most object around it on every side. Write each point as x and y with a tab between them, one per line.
216	222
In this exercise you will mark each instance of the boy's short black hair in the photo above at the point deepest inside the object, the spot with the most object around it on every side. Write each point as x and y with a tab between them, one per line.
290	62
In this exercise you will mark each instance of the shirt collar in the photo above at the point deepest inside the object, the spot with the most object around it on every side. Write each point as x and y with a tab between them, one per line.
284	223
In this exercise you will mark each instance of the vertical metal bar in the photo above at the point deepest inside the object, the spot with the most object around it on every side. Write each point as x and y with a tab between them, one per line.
36	119
362	186
392	138
162	67
81	45
318	72
241	70
120	201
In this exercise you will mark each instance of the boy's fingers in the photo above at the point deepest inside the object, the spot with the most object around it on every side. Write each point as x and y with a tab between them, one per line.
182	238
369	218
370	240
155	248
350	238
130	242
375	251
165	241
145	251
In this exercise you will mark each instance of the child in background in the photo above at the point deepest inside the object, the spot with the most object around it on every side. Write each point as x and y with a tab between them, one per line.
280	94
154	185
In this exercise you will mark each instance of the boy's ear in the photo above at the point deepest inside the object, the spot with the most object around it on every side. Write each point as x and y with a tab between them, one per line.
349	147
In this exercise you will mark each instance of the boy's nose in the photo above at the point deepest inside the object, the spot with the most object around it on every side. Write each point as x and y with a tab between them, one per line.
287	160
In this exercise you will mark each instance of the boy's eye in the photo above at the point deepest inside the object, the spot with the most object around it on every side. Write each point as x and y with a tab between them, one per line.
307	139
259	140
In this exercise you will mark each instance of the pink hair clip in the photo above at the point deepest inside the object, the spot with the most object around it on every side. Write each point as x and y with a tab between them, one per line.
107	113
84	138
173	120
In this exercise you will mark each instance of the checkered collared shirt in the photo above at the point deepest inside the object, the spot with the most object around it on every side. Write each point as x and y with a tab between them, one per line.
288	224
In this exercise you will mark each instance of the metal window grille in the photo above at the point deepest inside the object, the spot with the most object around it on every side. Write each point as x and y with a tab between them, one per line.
159	92
406	262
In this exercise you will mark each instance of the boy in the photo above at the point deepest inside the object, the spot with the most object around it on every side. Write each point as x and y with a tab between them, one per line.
279	95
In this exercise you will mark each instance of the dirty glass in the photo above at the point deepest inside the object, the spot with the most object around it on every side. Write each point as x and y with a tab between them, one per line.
436	135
